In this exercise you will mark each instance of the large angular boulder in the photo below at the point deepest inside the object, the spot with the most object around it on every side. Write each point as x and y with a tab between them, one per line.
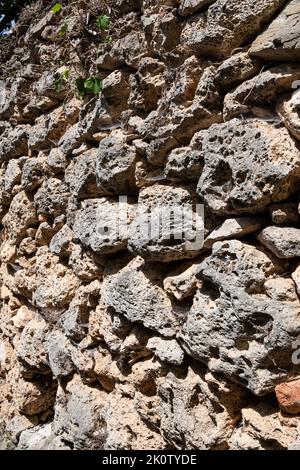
244	318
229	24
248	165
136	292
281	40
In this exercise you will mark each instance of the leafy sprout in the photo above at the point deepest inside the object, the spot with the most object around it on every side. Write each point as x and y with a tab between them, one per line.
90	85
56	8
63	30
103	22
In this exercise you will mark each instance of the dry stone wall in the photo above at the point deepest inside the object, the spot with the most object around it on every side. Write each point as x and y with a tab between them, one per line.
112	340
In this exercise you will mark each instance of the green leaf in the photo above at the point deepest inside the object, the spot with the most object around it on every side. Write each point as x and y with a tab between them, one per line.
56	8
103	22
58	85
63	30
65	75
93	85
79	85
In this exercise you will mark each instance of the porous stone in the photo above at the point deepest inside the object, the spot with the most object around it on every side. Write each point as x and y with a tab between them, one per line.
135	293
247	166
280	41
228	25
243	317
284	242
103	225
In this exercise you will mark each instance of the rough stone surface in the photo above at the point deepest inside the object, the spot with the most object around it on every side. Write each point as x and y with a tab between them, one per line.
284	242
246	164
229	24
281	39
114	338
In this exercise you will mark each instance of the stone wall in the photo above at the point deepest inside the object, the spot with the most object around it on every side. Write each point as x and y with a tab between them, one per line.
109	340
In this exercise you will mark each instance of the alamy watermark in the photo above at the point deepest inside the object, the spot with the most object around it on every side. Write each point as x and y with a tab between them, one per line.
165	223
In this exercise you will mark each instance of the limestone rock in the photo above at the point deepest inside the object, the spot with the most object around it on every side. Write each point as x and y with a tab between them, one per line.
186	399
60	243
115	166
288	108
51	198
166	350
47	130
241	316
229	25
14	143
247	166
102	225
262	428
81	176
166	227
262	89
288	396
30	347
78	415
188	7
284	242
33	173
186	163
135	293
55	287
20	217
182	285
280	41
285	213
233	228
236	69
57	347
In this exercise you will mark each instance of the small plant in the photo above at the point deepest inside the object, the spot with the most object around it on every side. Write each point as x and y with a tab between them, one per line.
92	85
103	22
63	78
56	8
63	30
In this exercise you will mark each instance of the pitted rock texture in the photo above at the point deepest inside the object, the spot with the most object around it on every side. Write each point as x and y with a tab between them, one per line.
112	337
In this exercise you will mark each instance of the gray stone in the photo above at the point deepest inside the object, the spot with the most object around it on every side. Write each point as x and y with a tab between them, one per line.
115	166
166	227
14	143
33	173
281	40
233	228
248	165
188	7
285	213
288	109
262	89
229	25
52	197
135	293
81	176
57	348
186	163
244	317
103	225
284	242
61	242
166	350
78	415
20	217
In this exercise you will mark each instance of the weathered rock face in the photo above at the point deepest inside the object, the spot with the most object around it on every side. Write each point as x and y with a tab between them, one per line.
244	316
280	41
150	237
248	165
